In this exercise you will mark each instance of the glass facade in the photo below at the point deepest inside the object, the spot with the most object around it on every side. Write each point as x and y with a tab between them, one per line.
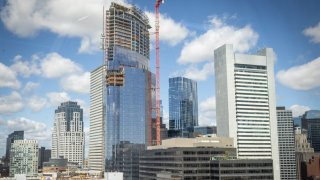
127	105
311	122
183	104
16	135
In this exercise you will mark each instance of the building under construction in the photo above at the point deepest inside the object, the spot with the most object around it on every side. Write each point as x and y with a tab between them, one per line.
128	95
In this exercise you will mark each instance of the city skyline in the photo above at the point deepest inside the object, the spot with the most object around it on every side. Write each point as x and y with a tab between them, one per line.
45	63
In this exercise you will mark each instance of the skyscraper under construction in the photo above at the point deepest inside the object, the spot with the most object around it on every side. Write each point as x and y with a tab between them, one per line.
127	95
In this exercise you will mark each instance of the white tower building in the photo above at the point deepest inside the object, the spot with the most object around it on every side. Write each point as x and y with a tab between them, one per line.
246	104
97	121
68	135
286	144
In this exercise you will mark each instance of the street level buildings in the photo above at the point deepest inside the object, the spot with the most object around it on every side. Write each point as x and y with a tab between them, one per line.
310	121
184	158
44	156
68	135
304	152
24	157
227	169
246	109
286	144
183	105
200	158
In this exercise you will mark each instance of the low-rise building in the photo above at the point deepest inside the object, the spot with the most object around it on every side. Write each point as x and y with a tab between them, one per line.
24	157
200	158
184	158
227	169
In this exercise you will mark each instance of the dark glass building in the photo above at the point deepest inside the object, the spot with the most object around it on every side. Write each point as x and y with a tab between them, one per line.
16	135
44	156
183	105
310	121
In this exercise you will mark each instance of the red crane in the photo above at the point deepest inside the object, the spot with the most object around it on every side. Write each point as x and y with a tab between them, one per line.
158	140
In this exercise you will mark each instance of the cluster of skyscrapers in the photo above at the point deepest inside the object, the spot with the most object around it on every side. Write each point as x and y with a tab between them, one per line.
254	138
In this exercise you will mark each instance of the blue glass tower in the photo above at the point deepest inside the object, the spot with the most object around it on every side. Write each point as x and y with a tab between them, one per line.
128	95
183	104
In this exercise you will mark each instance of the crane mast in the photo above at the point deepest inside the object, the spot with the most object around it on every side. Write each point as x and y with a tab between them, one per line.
157	26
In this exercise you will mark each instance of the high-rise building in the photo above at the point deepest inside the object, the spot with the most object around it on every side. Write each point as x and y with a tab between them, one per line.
24	157
304	152
44	156
126	27
68	135
120	91
310	121
286	144
97	120
183	104
246	109
16	135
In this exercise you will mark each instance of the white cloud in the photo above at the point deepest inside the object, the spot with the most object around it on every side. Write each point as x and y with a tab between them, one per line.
170	31
29	87
77	83
82	19
301	77
192	72
201	48
11	103
37	103
207	112
56	98
54	65
313	33
8	77
32	129
83	105
298	110
26	68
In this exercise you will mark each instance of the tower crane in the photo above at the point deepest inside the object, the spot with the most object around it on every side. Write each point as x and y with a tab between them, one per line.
157	26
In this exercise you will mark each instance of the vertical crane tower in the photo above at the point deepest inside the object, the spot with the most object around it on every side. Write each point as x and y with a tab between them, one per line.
157	26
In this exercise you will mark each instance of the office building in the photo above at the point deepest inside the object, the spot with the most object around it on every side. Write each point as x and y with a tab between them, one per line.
126	27
286	144
204	130
297	122
16	135
68	135
127	161
44	156
226	169
24	157
184	158
163	128
310	121
122	101
301	142
97	120
245	98
183	105
304	152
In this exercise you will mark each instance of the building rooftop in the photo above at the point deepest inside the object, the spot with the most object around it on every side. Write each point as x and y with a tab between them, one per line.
312	114
218	142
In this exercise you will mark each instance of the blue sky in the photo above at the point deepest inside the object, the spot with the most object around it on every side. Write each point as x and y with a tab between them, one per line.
48	48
